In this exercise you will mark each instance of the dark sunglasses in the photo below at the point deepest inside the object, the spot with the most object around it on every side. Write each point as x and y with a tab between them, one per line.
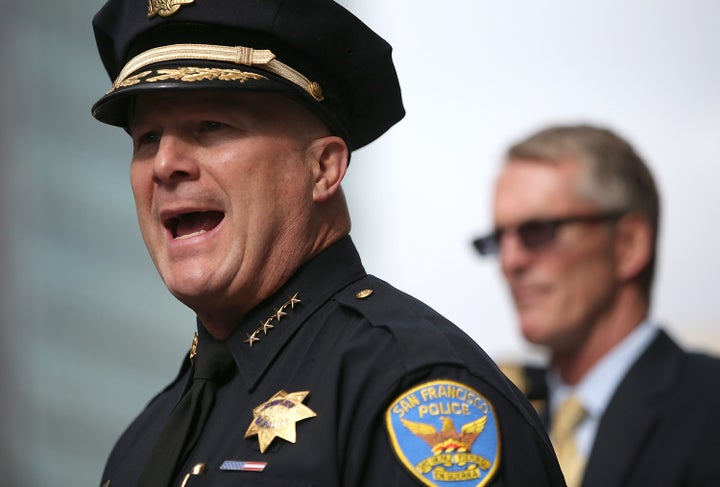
535	234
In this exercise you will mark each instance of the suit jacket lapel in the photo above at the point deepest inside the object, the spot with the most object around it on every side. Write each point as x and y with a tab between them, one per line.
633	413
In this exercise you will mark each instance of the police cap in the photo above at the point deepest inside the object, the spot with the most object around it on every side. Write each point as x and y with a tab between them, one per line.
312	50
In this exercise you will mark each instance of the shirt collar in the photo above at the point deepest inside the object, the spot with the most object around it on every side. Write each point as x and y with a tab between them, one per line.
314	282
598	386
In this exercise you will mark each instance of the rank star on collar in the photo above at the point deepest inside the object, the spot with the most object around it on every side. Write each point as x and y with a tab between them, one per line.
277	418
267	324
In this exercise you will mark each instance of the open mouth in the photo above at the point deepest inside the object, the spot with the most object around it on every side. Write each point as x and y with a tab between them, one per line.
188	225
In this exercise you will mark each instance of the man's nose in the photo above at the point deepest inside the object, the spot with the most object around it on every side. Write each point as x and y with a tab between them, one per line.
513	254
175	161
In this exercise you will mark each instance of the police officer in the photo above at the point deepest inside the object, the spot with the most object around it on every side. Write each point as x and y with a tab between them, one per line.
304	369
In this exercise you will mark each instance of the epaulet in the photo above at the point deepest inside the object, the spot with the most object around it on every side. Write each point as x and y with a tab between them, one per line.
425	336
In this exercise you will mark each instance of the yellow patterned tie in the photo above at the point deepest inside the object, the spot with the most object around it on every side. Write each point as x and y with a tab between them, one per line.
565	419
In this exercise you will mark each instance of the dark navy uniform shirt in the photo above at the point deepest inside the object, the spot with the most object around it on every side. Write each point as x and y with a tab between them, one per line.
398	396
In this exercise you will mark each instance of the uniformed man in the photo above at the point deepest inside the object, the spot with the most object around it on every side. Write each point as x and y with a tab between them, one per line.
576	215
304	370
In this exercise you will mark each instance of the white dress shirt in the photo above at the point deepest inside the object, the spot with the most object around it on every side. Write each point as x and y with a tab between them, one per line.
598	386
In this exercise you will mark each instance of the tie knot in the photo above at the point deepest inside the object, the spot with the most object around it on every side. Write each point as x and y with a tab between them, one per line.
213	360
567	417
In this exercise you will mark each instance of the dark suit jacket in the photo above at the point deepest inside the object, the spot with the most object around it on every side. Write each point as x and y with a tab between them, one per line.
662	426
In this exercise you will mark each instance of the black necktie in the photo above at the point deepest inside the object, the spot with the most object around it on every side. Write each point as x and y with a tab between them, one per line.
212	363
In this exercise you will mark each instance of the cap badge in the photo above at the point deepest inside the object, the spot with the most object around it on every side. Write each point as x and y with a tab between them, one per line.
277	418
421	423
165	8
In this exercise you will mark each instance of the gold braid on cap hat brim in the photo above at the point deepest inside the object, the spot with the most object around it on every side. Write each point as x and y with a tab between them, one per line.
245	56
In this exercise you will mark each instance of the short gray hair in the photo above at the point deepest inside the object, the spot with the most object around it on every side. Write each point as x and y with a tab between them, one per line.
613	175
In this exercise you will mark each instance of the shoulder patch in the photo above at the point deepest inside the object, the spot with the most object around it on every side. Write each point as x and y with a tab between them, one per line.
445	433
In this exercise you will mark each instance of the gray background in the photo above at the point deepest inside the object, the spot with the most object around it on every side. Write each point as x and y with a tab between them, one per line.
88	332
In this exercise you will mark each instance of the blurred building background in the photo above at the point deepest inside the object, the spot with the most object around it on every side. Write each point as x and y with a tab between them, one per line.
88	333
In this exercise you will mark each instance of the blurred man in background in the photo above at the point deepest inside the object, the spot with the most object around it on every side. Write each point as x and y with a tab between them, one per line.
576	215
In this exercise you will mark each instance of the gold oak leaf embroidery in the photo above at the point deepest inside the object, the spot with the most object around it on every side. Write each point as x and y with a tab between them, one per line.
192	74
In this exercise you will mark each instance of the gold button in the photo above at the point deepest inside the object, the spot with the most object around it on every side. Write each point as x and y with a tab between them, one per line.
364	293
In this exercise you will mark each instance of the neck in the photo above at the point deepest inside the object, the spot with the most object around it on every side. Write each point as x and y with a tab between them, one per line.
221	321
629	309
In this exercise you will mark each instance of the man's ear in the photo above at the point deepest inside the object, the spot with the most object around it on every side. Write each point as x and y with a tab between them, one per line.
634	245
328	157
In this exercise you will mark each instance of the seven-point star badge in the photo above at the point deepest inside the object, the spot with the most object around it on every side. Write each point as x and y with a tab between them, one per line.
277	418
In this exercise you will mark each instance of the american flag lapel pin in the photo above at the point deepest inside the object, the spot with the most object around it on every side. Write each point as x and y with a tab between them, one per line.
241	466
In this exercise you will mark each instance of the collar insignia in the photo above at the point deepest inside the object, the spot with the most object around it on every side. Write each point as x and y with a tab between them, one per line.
423	426
266	325
193	348
277	418
165	7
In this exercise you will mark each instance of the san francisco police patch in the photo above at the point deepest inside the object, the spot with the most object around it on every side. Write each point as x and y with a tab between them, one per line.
446	434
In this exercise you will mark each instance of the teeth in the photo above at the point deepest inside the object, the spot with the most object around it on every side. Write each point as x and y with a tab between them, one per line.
190	235
192	224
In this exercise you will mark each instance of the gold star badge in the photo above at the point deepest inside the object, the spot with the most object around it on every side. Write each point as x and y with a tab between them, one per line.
277	418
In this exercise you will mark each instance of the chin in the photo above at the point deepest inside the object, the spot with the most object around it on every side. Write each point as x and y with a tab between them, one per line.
194	299
185	294
535	331
188	287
